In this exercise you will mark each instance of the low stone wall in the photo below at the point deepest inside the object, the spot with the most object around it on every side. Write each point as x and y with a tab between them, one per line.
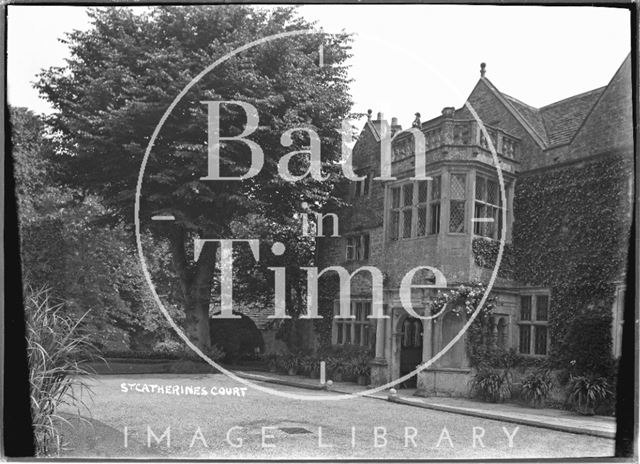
444	382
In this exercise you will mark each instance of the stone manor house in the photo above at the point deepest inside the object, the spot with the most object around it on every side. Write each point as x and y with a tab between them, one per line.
400	224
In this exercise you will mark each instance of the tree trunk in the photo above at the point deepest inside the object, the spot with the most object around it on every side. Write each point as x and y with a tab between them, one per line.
196	282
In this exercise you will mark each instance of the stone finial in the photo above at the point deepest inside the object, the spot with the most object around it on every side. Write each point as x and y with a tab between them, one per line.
483	69
416	122
369	113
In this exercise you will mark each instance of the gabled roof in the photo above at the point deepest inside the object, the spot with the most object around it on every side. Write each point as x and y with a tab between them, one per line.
527	118
374	126
530	114
553	124
562	119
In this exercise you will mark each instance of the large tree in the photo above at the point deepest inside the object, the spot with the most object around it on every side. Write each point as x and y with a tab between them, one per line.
122	75
66	248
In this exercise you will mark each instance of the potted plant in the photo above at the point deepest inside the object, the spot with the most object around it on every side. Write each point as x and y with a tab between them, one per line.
587	392
536	388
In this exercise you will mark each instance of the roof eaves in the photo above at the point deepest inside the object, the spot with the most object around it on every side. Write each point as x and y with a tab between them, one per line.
374	130
599	98
534	134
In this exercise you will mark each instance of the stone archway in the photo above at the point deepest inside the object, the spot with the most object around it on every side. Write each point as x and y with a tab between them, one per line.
239	338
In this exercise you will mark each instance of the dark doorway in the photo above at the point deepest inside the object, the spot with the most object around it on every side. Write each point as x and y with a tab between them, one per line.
410	349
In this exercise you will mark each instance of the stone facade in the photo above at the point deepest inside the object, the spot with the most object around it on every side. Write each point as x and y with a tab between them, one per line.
400	224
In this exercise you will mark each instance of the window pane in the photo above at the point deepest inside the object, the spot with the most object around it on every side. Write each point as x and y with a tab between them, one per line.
490	227
357	335
395	224
422	191
339	327
347	332
395	197
479	212
358	311
525	339
458	186
481	192
434	219
541	340
525	308
542	307
456	219
407	217
407	195
351	249
492	192
366	310
365	246
422	221
365	334
435	188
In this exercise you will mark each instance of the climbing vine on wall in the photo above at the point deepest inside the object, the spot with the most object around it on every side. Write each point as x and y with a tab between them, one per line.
479	335
571	235
328	287
485	254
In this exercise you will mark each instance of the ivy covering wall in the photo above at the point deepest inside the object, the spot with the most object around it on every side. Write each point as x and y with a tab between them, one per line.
571	234
485	254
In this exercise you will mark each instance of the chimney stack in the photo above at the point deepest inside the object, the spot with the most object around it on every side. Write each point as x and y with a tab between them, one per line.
448	111
395	127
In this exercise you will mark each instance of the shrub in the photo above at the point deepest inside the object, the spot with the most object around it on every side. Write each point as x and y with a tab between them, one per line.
57	349
587	345
491	385
537	387
169	347
587	392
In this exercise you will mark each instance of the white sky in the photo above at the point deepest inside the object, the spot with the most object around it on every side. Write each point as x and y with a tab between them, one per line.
407	58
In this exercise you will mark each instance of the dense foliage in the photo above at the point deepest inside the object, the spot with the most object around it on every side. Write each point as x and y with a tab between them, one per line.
66	247
485	255
122	75
480	340
572	235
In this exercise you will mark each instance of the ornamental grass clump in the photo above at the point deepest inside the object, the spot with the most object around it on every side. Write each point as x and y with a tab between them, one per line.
492	386
536	388
57	349
587	392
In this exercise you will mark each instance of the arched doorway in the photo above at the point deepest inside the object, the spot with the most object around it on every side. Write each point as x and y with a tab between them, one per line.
452	323
240	339
410	348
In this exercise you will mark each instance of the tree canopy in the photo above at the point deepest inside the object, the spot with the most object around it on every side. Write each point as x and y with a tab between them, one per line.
125	71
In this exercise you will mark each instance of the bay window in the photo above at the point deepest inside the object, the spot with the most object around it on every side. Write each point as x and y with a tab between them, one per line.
457	195
488	205
420	199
